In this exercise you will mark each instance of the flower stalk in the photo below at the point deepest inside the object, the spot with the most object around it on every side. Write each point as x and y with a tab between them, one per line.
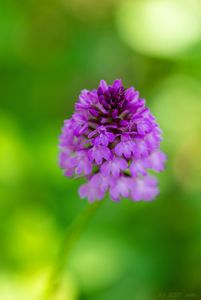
72	236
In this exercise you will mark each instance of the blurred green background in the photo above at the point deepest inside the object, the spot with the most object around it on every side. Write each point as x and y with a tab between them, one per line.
49	51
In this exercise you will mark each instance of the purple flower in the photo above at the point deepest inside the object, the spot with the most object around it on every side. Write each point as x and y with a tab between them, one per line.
99	153
144	188
126	147
114	166
103	138
112	140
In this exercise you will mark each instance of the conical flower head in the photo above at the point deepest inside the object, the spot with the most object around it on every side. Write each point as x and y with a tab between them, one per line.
112	140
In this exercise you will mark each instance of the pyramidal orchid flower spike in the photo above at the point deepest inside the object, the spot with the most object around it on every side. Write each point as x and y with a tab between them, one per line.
113	140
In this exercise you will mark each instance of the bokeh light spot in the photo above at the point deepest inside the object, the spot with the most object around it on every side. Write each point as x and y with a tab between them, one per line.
177	107
160	28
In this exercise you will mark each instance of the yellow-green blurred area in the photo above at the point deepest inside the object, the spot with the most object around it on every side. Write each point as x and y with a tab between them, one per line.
49	51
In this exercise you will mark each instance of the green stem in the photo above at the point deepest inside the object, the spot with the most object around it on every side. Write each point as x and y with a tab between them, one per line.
72	236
